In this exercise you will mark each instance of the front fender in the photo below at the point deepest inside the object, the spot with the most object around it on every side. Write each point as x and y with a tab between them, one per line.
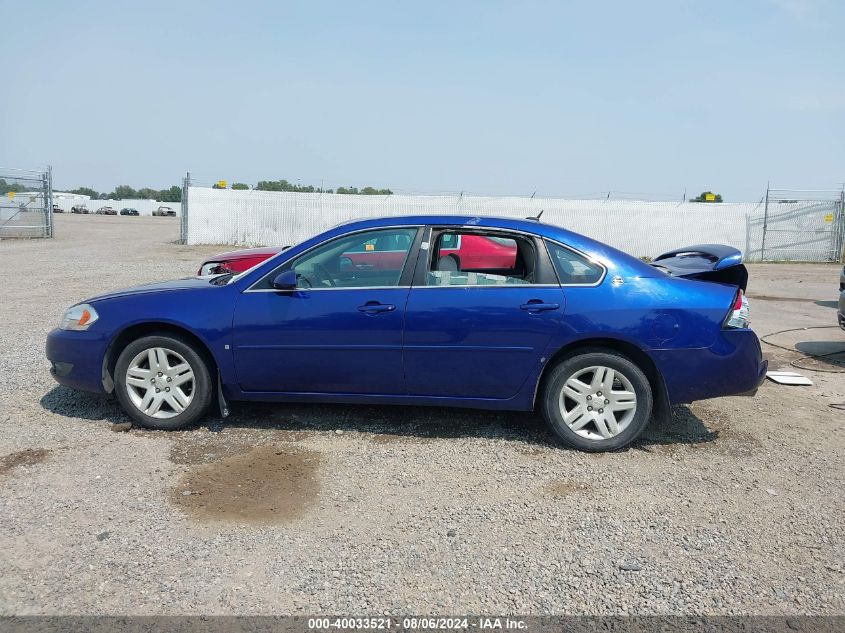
203	315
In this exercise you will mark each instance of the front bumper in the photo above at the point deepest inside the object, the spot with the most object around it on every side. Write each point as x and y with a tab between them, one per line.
733	366
77	358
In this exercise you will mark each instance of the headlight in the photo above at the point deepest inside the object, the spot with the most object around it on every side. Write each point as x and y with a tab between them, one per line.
211	268
78	317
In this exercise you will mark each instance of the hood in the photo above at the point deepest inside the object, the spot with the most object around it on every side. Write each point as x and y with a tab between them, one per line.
188	283
245	253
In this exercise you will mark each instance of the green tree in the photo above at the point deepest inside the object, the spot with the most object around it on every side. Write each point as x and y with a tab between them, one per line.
284	185
86	191
371	191
6	187
174	194
707	196
145	193
124	192
240	186
366	191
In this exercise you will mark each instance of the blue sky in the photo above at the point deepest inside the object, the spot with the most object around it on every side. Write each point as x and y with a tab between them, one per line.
561	98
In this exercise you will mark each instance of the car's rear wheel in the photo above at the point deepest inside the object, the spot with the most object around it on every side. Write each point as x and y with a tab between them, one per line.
598	400
162	382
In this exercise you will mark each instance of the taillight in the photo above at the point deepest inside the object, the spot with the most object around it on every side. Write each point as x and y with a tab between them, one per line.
738	317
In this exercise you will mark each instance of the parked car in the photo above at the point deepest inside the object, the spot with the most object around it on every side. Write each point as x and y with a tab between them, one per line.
469	251
237	261
840	313
79	208
106	211
129	212
57	209
164	211
593	338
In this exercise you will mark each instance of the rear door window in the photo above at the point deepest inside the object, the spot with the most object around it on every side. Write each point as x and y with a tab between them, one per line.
477	259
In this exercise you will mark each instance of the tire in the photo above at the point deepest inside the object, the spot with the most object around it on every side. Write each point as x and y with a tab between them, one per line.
449	263
174	399
591	428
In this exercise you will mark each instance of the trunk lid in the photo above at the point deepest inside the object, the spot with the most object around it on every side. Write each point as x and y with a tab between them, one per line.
709	262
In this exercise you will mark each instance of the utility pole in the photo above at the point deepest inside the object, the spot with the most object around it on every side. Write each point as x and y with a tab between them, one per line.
840	223
765	223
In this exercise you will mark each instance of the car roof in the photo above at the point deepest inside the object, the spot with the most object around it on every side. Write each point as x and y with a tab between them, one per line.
468	221
475	221
587	245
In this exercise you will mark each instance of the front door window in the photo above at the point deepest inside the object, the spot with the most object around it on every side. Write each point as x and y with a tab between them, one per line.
360	260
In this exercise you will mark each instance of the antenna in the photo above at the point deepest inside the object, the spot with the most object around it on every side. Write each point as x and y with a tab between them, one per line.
536	218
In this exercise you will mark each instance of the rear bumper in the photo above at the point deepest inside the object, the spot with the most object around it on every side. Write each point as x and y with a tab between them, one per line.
733	366
840	313
77	359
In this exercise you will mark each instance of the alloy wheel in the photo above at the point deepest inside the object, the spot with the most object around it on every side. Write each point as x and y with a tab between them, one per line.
160	382
598	402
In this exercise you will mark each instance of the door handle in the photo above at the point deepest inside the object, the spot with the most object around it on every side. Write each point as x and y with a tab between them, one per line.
536	305
374	307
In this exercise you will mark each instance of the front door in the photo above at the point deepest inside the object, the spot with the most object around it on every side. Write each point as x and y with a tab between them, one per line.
340	331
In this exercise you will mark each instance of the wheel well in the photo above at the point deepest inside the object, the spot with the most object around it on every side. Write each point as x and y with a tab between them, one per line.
631	351
144	329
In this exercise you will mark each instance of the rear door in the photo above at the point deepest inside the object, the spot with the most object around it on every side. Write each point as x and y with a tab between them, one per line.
340	331
476	332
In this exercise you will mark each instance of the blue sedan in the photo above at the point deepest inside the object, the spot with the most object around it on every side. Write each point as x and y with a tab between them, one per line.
375	312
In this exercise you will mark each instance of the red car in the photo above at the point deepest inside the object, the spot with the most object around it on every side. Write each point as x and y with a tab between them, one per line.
478	252
237	261
468	252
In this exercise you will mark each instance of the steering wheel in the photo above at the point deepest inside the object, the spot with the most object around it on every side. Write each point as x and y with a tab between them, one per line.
324	274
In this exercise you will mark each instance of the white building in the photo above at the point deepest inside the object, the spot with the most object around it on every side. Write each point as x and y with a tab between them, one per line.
65	200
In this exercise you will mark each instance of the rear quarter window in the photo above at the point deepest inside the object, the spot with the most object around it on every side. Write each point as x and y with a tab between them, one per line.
573	268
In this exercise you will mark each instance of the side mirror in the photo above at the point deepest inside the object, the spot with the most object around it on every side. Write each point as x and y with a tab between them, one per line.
285	281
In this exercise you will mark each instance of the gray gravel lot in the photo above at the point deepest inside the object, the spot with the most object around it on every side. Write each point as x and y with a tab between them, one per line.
736	507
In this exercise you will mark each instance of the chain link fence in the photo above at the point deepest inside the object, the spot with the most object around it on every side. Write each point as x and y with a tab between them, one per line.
798	225
790	229
26	204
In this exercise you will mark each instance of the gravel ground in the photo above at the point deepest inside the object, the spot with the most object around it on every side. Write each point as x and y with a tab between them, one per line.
734	508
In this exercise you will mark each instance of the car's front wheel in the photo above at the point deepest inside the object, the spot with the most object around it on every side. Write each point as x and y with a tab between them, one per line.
597	401
162	382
